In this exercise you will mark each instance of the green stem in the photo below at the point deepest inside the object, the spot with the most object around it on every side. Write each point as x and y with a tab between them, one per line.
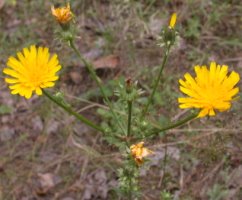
130	103
130	187
70	111
164	166
157	81
174	125
98	82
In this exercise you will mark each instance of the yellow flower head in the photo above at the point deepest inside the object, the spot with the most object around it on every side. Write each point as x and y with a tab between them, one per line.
138	152
211	89
63	15
173	20
32	70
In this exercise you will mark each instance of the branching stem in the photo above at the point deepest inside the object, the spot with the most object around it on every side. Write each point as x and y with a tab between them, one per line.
98	82
173	125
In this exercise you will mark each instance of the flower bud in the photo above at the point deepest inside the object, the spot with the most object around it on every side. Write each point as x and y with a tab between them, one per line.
129	85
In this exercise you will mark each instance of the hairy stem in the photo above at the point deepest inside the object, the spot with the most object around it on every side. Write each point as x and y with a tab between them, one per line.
130	187
156	82
173	125
164	166
98	82
130	103
71	112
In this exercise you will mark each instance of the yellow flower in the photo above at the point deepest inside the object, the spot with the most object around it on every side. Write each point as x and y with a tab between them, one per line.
211	89
138	152
63	15
32	70
173	20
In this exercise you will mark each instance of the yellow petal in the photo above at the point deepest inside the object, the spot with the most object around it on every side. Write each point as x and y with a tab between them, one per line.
10	80
38	91
11	72
173	20
211	112
203	112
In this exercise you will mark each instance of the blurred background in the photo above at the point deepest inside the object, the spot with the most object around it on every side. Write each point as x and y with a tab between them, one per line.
46	154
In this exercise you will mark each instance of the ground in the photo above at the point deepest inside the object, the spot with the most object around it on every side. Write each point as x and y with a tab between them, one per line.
47	154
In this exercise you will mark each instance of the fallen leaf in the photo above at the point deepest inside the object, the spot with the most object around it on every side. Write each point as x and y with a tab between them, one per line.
110	61
76	77
2	4
46	182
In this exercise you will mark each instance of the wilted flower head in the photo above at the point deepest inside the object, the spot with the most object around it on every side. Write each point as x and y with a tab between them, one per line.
32	70
63	15
212	89
173	20
138	152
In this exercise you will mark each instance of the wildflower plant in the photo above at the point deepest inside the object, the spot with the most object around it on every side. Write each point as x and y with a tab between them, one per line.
125	124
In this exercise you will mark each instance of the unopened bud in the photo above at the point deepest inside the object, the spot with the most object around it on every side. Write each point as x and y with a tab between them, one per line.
173	21
169	36
129	84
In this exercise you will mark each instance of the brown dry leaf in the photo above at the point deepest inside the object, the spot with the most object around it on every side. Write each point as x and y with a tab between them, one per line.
110	61
46	182
76	77
2	4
